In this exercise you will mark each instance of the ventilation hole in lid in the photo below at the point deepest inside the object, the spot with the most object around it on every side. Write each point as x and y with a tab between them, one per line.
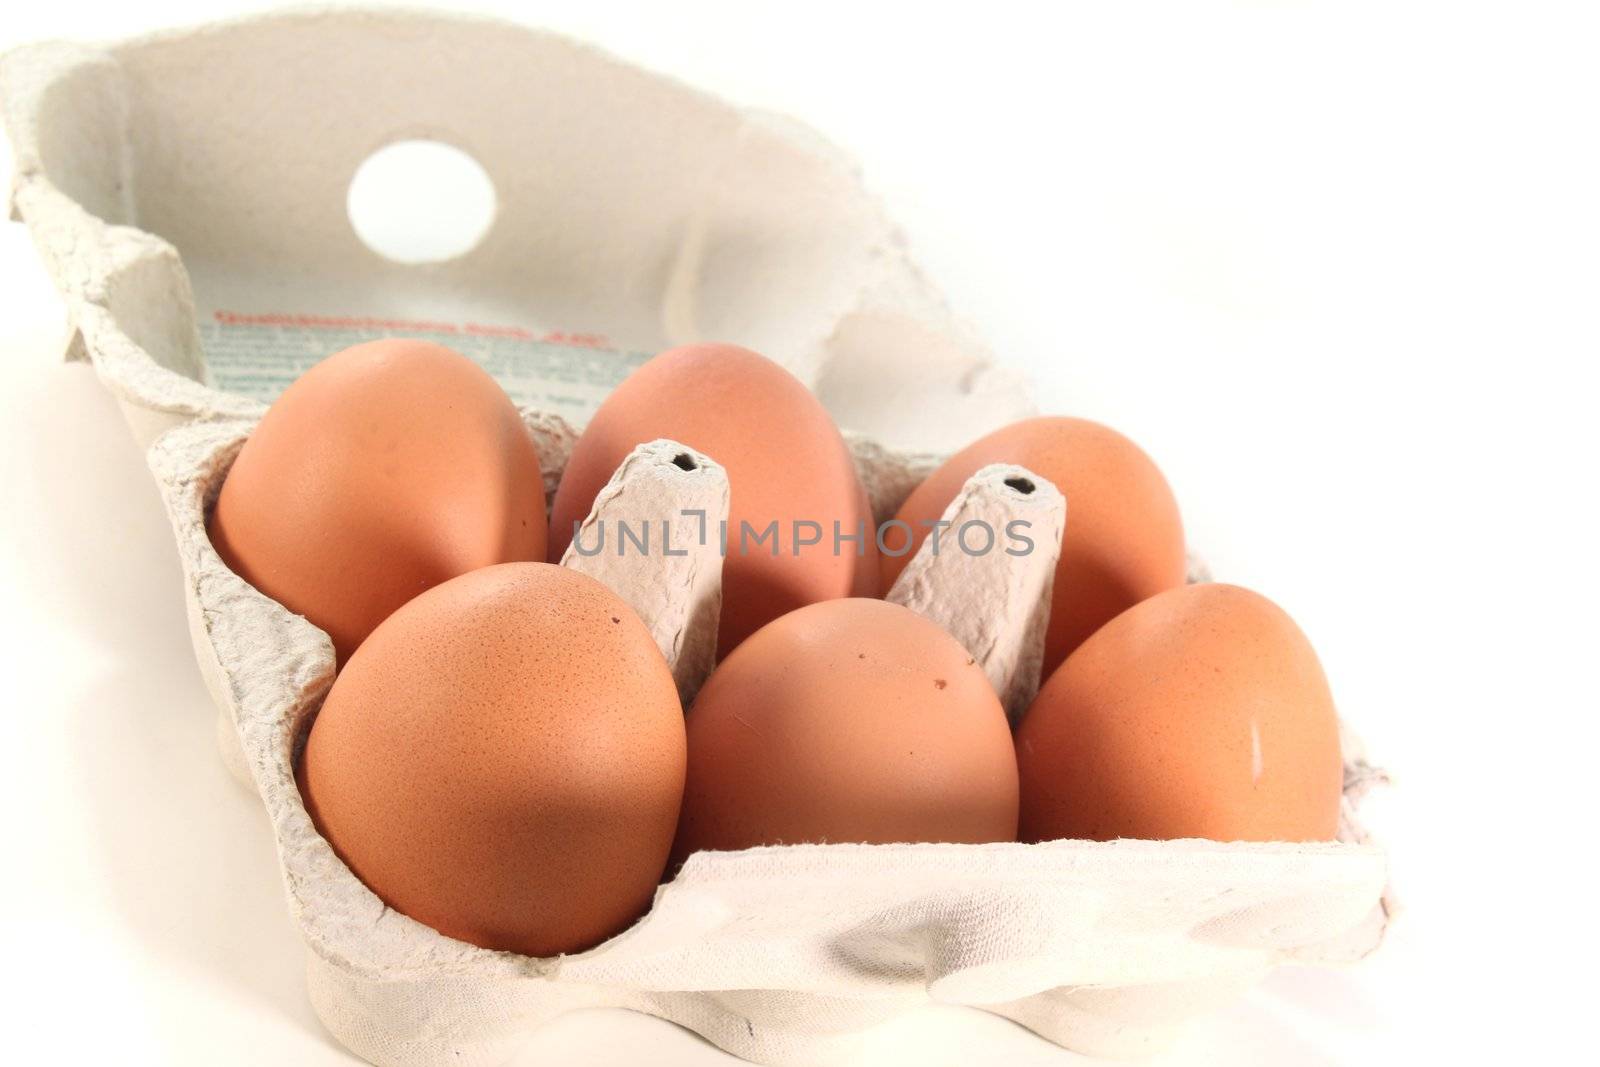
685	462
420	202
1021	485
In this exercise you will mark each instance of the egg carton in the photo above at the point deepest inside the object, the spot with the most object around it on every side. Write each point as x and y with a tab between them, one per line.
183	185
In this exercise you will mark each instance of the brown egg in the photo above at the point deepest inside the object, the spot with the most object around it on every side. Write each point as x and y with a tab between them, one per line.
849	720
383	470
1201	712
1123	540
786	464
503	760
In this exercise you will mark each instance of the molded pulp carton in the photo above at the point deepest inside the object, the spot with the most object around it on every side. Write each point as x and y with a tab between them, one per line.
188	193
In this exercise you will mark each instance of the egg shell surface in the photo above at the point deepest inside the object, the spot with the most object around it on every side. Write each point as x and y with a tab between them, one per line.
1202	712
786	464
848	721
382	471
1123	539
503	760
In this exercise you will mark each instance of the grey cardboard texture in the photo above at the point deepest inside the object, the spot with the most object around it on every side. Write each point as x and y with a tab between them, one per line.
187	193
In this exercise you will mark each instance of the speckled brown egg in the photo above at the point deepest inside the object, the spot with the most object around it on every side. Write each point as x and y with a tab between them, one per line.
786	465
503	760
1201	712
382	471
1123	540
849	720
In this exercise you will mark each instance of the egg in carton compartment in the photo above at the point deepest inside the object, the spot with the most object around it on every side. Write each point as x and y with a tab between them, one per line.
187	193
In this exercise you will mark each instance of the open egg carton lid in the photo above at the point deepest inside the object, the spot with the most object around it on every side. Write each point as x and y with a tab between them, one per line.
191	195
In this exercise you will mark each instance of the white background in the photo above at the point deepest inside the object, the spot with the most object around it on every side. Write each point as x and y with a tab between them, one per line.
1336	266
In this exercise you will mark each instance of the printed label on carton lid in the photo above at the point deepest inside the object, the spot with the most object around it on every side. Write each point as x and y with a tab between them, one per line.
259	354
